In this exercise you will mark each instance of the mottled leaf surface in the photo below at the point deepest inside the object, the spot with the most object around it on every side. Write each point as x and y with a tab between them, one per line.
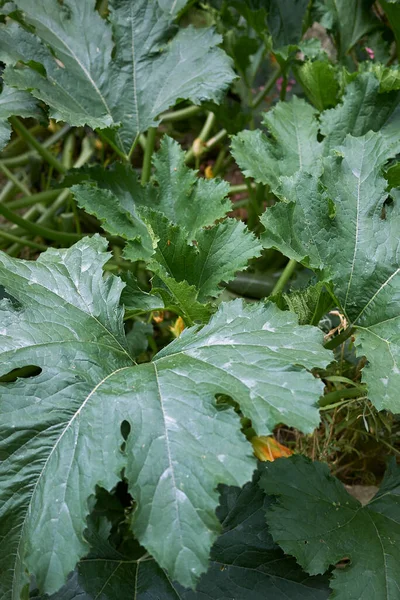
317	521
67	321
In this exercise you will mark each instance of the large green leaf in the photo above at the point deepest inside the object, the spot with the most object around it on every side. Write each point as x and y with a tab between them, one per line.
285	23
61	429
336	219
14	102
244	560
294	128
120	74
316	520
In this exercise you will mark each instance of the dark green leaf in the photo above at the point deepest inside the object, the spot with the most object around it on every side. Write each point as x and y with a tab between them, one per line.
317	521
121	74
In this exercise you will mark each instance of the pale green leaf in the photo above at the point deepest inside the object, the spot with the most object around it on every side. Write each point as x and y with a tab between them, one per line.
66	320
363	109
319	82
315	519
121	73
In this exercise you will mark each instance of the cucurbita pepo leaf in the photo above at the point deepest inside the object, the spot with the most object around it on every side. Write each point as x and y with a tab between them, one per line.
61	430
121	73
316	520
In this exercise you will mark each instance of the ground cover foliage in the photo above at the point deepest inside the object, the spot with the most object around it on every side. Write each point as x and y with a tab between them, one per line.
199	268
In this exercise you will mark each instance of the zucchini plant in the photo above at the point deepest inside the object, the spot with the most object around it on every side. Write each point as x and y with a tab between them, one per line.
136	381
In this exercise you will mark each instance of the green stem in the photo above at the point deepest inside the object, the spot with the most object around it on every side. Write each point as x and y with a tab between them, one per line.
285	276
180	115
282	95
32	141
148	153
338	395
23	159
16	146
36	229
113	145
237	189
19	184
68	151
259	97
196	149
46	196
215	139
18	240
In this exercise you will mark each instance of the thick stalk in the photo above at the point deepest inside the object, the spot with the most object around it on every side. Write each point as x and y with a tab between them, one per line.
285	276
339	339
338	395
36	229
180	115
148	153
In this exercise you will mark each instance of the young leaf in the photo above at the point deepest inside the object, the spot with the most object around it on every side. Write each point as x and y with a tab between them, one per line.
318	79
14	102
117	199
317	521
65	319
337	219
85	79
309	304
219	252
